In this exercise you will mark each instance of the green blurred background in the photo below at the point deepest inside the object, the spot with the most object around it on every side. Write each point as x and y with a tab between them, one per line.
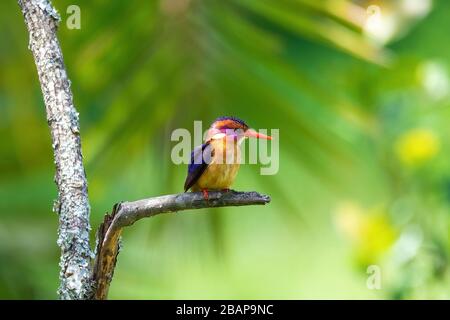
359	90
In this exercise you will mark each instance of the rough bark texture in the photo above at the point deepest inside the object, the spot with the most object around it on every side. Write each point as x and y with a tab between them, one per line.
126	213
78	279
72	204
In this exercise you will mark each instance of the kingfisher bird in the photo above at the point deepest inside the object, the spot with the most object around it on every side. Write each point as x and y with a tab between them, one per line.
215	164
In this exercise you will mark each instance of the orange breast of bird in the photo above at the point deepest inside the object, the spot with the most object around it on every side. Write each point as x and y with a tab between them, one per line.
224	166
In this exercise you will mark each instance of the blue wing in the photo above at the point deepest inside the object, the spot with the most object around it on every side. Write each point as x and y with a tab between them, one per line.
200	159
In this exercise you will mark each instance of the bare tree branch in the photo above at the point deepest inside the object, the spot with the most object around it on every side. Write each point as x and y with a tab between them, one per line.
72	205
78	279
126	213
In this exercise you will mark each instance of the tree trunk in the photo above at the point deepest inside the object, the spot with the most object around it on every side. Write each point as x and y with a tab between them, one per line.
80	278
72	204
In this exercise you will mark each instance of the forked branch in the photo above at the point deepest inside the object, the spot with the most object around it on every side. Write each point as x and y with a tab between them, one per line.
126	213
78	280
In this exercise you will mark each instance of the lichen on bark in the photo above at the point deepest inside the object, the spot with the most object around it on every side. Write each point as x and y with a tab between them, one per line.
72	204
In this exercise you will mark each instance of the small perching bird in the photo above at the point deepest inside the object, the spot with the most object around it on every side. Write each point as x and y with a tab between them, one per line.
214	164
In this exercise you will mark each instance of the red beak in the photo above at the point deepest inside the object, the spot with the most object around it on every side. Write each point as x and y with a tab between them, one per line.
252	133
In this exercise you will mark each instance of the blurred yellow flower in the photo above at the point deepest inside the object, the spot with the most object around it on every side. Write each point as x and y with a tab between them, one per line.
370	231
416	147
349	218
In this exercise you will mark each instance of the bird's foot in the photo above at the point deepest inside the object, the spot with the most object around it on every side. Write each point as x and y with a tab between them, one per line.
205	194
226	190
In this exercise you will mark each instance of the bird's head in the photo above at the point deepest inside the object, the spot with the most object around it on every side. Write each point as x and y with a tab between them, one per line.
232	127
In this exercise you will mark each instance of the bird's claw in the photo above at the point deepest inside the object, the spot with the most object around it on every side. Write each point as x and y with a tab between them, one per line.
205	194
